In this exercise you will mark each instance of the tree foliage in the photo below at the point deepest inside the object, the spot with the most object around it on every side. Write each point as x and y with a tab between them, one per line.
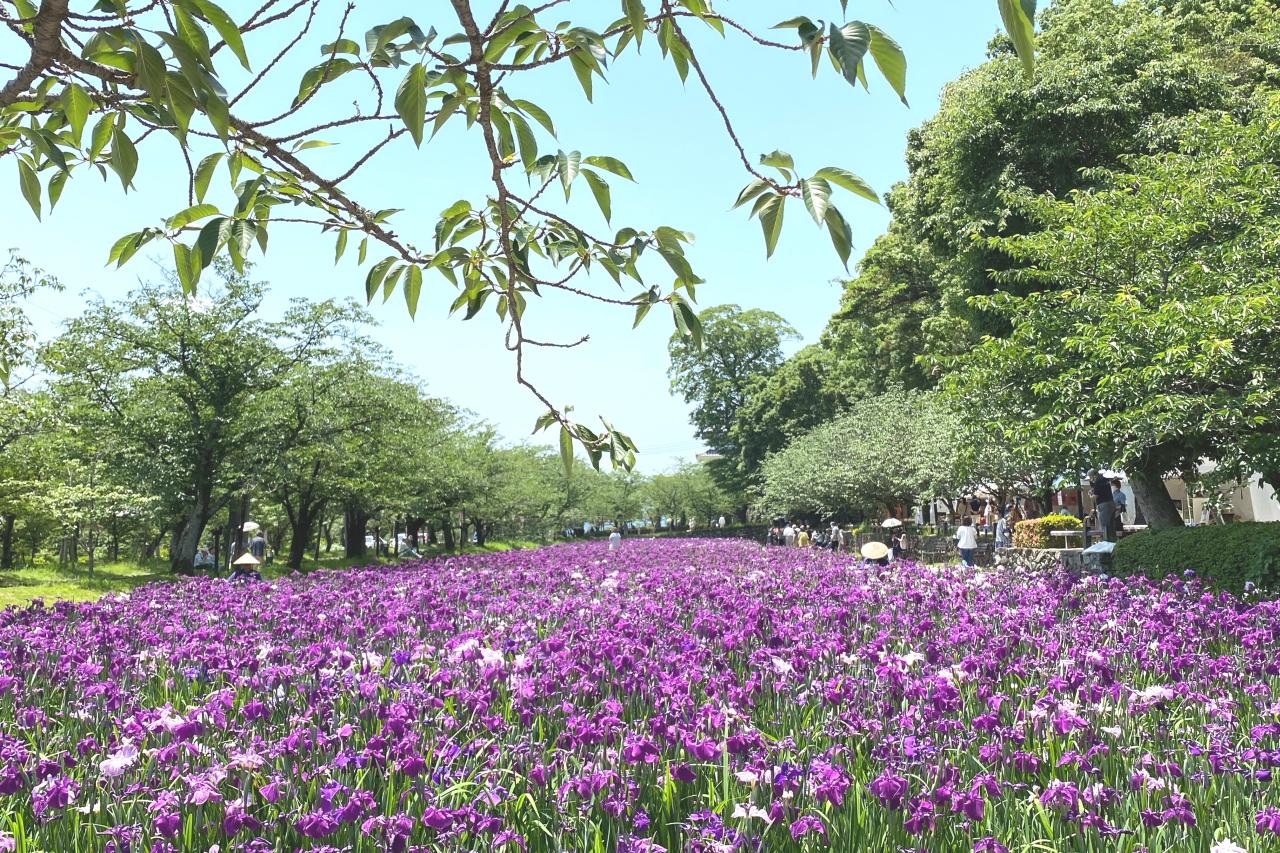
92	82
886	450
1154	348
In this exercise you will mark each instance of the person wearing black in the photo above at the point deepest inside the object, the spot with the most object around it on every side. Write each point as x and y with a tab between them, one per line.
1103	500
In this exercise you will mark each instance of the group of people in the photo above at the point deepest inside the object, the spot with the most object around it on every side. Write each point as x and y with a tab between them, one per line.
1110	504
257	546
791	535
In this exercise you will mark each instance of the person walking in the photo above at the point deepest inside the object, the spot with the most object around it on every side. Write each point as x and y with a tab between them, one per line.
789	535
258	545
1002	532
1104	503
802	537
967	541
615	541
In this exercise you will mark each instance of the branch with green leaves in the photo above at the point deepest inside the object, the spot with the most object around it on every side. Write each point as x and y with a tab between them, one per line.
97	82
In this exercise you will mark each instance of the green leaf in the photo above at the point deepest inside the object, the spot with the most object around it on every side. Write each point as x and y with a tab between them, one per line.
778	160
186	263
312	143
537	113
890	59
610	164
56	185
641	310
149	69
191	214
210	239
566	451
192	34
376	274
815	192
634	10
30	185
124	157
343	45
688	323
848	44
1019	23
770	213
750	191
340	246
582	68
101	135
412	289
411	101
525	140
791	22
330	69
76	105
848	180
600	190
841	234
226	28
567	166
204	173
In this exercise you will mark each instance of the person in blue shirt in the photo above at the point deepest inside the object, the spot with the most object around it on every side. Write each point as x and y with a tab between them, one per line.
1121	501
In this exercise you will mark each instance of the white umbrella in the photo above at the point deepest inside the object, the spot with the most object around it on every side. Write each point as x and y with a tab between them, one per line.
891	522
250	526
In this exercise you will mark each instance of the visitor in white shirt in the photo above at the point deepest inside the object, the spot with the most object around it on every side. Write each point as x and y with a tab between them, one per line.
967	540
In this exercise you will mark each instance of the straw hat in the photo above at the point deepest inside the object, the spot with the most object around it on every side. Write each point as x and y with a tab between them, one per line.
875	550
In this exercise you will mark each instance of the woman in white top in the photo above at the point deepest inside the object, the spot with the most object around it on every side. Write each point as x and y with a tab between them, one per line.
967	540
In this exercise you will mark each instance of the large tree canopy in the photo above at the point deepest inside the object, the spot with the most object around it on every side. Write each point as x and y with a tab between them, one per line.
1156	347
889	449
90	80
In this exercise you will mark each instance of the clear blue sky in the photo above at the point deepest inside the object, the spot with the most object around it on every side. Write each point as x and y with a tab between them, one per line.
668	133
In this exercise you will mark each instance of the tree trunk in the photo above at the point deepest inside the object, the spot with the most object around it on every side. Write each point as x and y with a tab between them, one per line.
113	551
463	527
355	522
413	529
6	542
152	546
186	538
482	532
446	530
1152	497
328	537
303	531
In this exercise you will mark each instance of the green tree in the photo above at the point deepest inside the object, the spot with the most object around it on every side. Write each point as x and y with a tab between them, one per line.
890	449
1155	350
88	84
179	381
737	347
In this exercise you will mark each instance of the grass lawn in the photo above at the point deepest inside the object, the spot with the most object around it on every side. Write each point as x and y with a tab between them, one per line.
19	587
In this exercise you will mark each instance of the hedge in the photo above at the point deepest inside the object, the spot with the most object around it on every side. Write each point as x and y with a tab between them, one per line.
1226	555
1034	532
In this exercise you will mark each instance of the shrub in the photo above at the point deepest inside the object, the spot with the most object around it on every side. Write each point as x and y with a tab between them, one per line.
1034	532
1225	555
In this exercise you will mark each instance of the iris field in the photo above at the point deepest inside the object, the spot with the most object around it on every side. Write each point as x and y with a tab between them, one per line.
678	695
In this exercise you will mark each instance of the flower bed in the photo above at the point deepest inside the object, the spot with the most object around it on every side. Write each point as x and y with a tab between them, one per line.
700	696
